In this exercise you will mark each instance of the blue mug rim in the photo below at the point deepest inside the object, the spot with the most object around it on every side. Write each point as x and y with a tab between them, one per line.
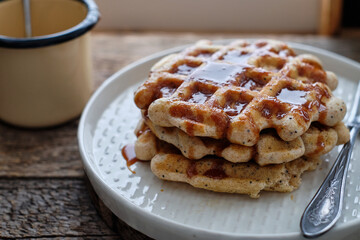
92	17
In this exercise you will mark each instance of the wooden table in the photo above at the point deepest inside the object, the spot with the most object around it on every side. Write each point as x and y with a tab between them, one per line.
43	189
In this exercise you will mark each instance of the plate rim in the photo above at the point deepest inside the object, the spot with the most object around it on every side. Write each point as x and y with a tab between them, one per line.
93	174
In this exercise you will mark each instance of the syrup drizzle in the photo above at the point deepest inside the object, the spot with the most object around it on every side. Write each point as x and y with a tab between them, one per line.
218	73
167	91
216	171
236	56
253	83
191	169
184	69
235	109
128	152
204	54
249	84
297	97
320	144
199	97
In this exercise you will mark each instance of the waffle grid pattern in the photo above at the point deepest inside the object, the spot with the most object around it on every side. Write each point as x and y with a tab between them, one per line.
235	91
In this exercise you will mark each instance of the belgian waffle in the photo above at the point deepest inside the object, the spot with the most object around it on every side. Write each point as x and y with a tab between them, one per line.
270	149
235	91
218	175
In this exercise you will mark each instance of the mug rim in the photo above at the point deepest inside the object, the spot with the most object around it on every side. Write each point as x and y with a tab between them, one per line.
92	17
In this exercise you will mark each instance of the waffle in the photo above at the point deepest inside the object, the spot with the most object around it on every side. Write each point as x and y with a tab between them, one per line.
233	92
218	175
221	176
270	149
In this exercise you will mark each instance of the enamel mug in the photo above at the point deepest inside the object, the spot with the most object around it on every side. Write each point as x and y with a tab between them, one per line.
45	79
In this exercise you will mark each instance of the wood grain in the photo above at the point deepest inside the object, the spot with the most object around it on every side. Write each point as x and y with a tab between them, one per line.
48	208
40	153
43	193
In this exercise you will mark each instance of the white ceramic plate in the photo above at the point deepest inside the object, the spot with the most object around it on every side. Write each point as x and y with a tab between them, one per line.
165	210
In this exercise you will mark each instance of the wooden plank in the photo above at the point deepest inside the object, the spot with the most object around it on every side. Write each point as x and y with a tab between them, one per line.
44	152
48	208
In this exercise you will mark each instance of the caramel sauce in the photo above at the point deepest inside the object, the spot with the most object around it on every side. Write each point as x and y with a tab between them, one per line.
190	128
235	109
320	144
297	97
312	63
199	97
221	122
236	102
218	73
270	63
253	83
138	133
261	44
204	54
184	111
313	71
287	53
303	113
200	92
273	106
185	68
249	84
317	103
167	91
280	64
144	128
128	152
166	88
216	171
191	169
287	95
235	56
322	112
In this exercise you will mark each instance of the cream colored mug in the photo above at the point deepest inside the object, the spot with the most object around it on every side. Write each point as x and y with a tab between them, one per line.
46	79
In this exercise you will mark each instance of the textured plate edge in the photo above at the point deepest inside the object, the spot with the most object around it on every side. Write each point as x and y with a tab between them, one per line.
101	186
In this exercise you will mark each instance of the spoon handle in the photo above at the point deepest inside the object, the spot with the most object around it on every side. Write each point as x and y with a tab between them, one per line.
325	208
27	18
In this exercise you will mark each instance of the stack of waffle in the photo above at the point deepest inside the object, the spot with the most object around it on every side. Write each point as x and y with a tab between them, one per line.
238	118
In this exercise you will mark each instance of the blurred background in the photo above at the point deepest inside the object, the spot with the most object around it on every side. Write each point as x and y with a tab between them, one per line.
325	17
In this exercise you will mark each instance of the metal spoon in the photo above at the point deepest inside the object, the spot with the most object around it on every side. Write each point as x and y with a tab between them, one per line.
27	18
325	208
